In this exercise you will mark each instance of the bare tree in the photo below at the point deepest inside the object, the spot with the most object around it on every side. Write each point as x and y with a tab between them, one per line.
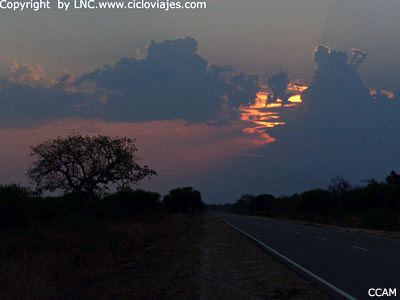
85	164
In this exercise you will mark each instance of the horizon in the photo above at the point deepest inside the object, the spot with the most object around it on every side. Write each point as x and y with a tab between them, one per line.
210	108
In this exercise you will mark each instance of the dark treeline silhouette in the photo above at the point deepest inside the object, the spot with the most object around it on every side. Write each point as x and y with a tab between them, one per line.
21	207
374	206
49	243
185	200
83	168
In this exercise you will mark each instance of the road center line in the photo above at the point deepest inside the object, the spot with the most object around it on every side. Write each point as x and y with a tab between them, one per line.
320	238
360	248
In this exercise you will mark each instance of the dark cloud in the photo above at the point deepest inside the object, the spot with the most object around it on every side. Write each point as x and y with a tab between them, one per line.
357	57
337	99
340	130
336	80
339	105
28	97
172	81
243	89
278	85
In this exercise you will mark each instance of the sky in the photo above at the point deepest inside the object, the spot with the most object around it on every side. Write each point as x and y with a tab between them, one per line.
193	88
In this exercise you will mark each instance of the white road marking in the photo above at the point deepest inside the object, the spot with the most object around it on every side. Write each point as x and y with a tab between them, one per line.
323	281
296	232
320	238
360	248
336	229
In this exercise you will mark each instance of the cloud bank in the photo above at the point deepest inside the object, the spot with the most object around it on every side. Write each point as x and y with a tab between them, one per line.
170	96
342	129
171	81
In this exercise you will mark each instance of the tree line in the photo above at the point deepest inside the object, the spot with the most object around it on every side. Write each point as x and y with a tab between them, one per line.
375	205
84	169
21	207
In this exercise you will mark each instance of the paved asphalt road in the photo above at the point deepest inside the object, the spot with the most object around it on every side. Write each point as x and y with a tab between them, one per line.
352	262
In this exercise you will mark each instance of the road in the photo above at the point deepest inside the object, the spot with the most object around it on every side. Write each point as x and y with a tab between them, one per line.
350	262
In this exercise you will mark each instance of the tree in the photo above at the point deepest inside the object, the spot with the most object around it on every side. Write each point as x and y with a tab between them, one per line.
393	178
261	203
317	200
86	164
243	202
338	186
184	199
370	182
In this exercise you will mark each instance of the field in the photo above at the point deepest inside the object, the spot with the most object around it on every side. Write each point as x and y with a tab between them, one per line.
138	259
168	257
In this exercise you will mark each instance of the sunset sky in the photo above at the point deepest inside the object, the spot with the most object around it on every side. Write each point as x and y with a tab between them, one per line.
192	88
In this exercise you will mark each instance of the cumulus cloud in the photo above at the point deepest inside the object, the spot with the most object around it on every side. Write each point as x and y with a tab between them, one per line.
28	97
243	89
169	81
336	80
172	82
278	84
357	57
164	96
341	129
27	75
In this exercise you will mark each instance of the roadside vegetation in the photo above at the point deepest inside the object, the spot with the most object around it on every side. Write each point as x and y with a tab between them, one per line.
118	246
89	242
101	239
373	206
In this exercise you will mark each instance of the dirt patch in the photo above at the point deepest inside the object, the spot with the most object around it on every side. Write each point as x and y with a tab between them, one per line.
232	267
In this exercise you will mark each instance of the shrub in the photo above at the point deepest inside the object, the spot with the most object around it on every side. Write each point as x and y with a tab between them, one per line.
381	219
128	202
317	200
261	203
48	209
185	200
16	203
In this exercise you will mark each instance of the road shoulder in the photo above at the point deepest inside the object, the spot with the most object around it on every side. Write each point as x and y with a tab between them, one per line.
233	267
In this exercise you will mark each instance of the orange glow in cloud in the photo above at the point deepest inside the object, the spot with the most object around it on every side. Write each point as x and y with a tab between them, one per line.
295	99
262	117
262	96
389	94
294	87
174	148
271	105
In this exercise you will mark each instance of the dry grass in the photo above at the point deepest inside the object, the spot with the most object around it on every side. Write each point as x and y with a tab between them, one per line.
173	257
127	260
235	268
